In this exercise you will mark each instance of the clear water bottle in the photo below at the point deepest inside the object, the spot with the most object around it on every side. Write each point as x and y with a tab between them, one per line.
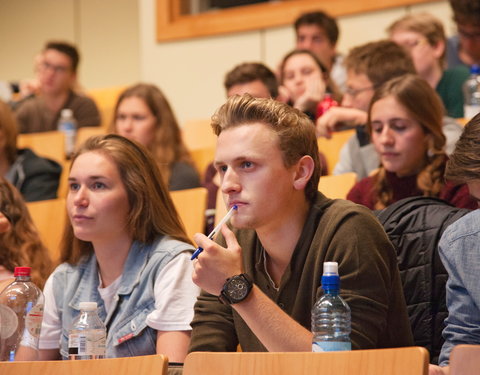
87	336
471	93
68	125
331	315
21	314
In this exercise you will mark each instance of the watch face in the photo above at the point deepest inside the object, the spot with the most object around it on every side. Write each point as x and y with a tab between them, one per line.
237	288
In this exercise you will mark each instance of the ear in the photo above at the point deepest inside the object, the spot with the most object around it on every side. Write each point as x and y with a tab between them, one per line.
303	172
439	49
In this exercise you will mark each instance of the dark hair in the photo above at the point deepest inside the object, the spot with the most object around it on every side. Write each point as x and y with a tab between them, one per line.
21	245
250	71
331	86
323	21
466	11
151	212
379	61
66	48
294	129
9	132
464	163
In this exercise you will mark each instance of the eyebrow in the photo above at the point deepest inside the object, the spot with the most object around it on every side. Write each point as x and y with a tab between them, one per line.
89	177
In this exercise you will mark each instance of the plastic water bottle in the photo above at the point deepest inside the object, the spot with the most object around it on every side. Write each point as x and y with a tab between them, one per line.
68	125
471	93
331	315
87	336
21	314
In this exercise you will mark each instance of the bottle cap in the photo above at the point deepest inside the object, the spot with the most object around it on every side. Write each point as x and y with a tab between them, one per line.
88	306
475	69
66	112
22	271
330	268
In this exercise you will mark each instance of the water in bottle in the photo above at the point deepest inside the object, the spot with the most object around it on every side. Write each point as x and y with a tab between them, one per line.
87	336
68	126
21	314
331	315
471	93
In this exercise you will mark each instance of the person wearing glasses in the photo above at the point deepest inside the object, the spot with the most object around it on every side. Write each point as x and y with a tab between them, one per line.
368	67
57	76
423	36
405	126
464	48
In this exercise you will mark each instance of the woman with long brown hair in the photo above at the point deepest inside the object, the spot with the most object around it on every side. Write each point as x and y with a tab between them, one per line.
125	248
142	113
405	126
20	242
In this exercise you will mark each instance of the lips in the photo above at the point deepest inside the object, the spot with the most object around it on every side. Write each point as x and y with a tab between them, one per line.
81	218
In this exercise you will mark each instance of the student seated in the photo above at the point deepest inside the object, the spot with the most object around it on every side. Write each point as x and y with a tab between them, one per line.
422	35
142	113
405	125
305	83
368	67
267	270
459	250
124	248
35	177
20	243
57	78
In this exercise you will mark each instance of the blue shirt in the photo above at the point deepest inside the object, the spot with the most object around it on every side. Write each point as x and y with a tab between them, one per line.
459	250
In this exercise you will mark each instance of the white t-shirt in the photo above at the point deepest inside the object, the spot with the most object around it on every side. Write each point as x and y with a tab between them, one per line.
175	294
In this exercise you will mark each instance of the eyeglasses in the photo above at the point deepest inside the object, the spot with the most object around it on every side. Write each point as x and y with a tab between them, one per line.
411	44
55	68
354	92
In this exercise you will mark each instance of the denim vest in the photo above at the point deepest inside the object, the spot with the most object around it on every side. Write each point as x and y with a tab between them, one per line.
127	331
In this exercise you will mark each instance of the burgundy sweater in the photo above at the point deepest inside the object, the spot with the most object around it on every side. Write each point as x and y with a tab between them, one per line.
404	187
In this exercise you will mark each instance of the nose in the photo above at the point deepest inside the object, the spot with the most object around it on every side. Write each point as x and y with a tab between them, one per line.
80	197
386	136
125	125
230	182
347	100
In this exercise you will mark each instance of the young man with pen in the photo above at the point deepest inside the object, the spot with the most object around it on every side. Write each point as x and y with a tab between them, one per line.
262	278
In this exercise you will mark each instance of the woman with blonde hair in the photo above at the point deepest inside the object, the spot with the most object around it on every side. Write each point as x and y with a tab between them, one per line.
20	242
142	113
125	248
405	126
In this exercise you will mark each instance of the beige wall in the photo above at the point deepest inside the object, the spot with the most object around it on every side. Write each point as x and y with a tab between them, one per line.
106	32
191	72
118	45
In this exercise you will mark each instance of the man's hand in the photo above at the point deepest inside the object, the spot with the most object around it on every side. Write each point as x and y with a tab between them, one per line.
216	264
336	117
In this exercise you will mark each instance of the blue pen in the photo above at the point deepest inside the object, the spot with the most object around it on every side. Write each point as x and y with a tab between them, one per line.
216	229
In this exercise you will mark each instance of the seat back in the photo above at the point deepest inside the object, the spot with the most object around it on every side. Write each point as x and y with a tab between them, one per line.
49	217
106	99
46	144
465	360
398	361
331	147
142	365
191	205
86	132
337	186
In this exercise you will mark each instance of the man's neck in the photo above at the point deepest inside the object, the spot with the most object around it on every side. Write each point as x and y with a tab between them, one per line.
55	102
434	76
279	241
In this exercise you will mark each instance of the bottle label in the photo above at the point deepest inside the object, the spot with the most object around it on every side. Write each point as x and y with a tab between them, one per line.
9	322
331	346
87	343
33	321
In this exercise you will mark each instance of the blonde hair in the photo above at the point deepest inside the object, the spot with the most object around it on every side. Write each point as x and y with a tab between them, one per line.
423	104
425	24
151	212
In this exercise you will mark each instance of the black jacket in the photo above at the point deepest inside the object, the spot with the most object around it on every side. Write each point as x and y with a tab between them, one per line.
415	225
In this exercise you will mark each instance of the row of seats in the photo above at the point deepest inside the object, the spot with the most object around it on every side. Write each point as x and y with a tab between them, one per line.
465	360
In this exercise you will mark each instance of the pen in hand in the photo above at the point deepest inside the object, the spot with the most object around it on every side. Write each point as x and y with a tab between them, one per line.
215	230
